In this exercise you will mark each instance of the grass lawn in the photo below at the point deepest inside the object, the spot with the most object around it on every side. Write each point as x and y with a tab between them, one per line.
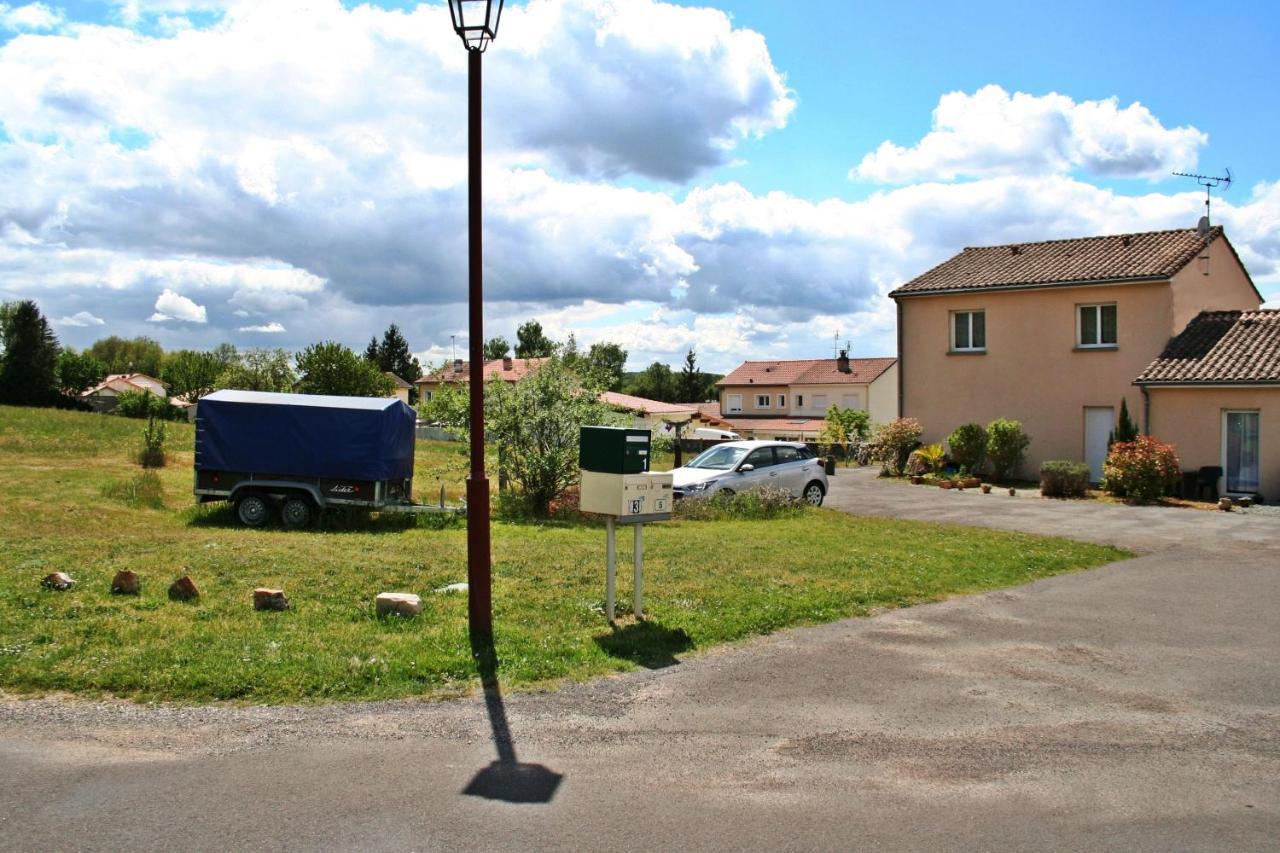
66	508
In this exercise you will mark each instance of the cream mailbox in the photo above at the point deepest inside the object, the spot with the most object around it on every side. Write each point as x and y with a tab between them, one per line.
617	483
616	479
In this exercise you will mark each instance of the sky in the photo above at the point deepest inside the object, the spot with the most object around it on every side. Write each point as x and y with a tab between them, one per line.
747	178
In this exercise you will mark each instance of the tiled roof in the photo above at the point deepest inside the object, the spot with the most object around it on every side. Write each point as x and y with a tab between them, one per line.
460	371
1120	257
1221	347
644	406
809	371
115	380
396	380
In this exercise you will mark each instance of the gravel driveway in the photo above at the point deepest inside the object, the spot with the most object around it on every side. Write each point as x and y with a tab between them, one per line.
1133	707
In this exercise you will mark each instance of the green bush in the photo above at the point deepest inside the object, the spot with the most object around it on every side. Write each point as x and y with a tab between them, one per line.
754	505
1063	479
151	454
967	447
143	490
1143	469
1006	447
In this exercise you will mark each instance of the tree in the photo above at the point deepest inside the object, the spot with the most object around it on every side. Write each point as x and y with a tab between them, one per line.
536	424
496	347
531	342
1126	429
78	371
1006	446
29	366
226	354
332	368
655	382
393	355
259	370
608	360
844	427
690	387
191	374
129	355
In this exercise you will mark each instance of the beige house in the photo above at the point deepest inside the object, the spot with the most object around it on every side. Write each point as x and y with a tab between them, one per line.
1215	395
102	397
1054	334
503	369
401	389
788	400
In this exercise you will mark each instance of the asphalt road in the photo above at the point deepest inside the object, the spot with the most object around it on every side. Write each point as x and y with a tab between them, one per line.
1134	707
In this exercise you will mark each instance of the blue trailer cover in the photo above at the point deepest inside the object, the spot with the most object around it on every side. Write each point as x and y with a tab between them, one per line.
305	435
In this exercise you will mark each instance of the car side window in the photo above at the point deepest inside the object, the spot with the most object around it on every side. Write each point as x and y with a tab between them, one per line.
761	457
787	454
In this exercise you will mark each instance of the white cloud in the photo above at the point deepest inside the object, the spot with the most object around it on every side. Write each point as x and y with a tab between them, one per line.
267	329
174	306
80	318
31	17
992	132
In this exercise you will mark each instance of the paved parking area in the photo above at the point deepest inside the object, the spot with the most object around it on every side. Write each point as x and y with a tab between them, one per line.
1133	707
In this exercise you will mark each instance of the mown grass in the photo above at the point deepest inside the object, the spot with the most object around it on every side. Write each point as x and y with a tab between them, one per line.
707	582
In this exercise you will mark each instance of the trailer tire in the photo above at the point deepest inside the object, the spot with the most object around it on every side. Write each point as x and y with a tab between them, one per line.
296	512
253	510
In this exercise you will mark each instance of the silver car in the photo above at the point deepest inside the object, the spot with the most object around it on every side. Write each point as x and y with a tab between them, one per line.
740	466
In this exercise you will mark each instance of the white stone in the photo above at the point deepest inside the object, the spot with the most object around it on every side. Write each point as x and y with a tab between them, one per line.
399	603
454	587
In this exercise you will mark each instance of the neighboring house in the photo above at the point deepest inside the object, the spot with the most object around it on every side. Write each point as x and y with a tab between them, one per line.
650	414
1053	334
504	369
1214	393
788	400
402	388
102	397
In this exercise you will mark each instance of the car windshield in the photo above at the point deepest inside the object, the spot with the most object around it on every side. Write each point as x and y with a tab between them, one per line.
719	458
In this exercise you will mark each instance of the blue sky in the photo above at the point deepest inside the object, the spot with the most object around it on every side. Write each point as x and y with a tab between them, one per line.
725	176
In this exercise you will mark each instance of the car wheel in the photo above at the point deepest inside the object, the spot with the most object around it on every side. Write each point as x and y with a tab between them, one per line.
296	513
253	510
813	493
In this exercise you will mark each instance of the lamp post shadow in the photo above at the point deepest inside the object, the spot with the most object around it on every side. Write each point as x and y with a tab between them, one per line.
507	779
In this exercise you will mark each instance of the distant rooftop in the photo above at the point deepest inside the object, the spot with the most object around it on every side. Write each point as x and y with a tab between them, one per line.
808	371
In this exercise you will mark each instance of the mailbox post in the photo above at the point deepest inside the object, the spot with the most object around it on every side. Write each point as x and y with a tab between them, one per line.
617	483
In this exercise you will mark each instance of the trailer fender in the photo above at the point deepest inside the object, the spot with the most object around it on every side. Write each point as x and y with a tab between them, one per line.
276	486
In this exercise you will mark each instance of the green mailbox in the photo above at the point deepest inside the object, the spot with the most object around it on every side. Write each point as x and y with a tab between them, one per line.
613	450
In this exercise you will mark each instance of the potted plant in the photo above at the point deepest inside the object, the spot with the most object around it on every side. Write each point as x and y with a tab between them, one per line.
986	488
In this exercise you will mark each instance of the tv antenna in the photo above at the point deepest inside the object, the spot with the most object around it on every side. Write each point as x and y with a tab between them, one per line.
1209	182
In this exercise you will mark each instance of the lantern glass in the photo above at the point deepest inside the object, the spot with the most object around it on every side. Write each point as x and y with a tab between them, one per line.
476	21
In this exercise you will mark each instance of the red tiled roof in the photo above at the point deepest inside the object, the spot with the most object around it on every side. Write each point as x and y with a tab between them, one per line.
460	371
644	406
126	378
809	371
1121	257
1221	347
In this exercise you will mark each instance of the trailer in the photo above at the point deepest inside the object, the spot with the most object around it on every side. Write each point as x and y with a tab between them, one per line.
294	455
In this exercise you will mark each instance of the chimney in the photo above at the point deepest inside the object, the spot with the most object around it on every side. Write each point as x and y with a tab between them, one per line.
507	362
457	364
842	363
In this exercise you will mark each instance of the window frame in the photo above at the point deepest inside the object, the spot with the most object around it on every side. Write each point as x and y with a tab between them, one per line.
951	332
782	401
1098	326
768	401
799	401
729	407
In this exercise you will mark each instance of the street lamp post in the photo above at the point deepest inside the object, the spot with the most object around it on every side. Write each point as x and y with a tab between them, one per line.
476	23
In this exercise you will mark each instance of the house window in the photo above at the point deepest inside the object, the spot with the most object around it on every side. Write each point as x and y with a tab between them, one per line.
820	401
799	401
969	331
733	402
426	395
1096	325
762	401
782	401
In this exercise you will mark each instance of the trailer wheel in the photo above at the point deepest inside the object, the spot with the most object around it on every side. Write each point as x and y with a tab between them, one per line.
253	510
296	512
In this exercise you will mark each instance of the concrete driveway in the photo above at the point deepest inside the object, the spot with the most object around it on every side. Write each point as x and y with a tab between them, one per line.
1134	707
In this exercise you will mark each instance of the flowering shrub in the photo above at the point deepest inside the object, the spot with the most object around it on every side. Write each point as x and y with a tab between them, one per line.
896	440
1143	469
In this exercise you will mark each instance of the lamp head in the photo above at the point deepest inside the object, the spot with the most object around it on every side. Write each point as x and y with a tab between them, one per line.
476	21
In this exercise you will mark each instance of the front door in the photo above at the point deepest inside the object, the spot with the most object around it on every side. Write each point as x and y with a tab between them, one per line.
1098	423
1240	447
